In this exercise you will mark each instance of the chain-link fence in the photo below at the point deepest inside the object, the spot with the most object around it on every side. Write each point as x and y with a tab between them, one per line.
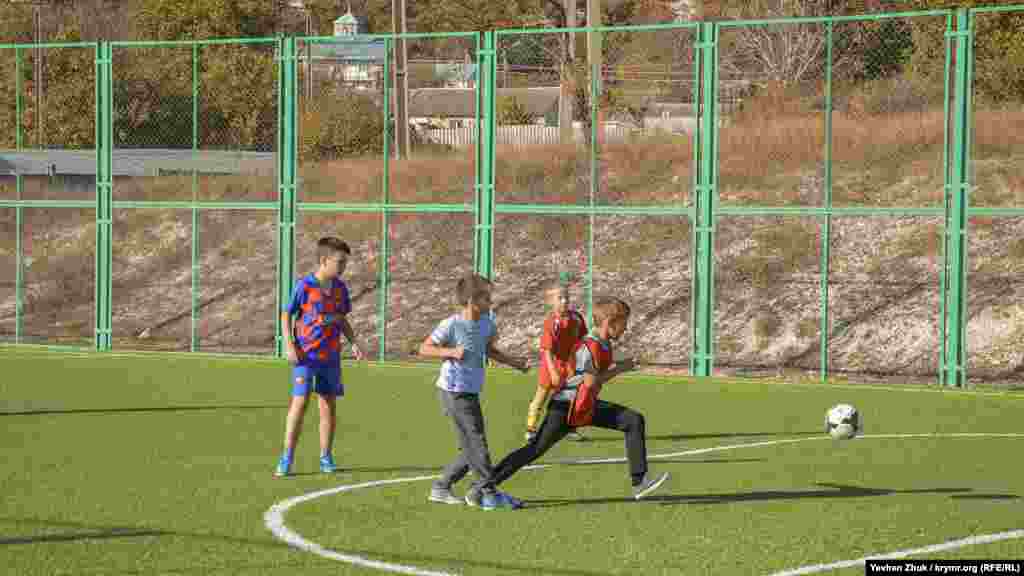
49	229
193	168
809	196
995	319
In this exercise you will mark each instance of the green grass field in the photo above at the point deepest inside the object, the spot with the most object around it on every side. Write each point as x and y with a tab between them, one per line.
163	465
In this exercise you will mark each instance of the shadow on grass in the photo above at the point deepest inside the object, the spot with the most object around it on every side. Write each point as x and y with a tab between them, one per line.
714	435
986	497
78	536
343	469
93	531
661	461
85	532
474	566
154	409
826	491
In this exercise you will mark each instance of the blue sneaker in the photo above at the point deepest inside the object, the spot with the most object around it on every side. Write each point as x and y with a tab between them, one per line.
509	501
327	464
482	501
284	466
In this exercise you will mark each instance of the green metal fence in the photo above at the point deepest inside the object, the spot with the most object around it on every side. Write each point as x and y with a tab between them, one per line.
776	196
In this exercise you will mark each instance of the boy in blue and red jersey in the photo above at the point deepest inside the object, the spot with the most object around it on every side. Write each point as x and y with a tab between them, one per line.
311	323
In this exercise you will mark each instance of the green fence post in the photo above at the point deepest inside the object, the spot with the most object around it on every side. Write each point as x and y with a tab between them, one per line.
826	232
18	211
957	188
483	230
19	263
194	306
701	354
384	255
104	193
286	207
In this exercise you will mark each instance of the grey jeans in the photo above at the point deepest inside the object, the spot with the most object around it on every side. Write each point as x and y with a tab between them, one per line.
468	420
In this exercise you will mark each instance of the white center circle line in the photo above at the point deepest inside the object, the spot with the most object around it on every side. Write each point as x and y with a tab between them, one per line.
274	517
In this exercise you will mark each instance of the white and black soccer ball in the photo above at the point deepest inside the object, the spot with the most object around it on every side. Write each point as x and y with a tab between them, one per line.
843	422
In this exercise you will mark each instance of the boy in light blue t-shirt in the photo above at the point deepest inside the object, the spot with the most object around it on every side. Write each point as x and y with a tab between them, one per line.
464	341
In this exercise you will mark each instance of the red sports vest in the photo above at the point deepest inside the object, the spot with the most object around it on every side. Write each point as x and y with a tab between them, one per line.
581	409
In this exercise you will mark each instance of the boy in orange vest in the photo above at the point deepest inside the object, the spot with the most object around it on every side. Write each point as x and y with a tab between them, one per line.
564	328
576	404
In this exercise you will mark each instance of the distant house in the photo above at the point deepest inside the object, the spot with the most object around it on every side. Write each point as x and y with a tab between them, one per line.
456	107
349	60
456	74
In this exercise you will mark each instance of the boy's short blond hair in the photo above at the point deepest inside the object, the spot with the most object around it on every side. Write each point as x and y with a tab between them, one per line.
610	308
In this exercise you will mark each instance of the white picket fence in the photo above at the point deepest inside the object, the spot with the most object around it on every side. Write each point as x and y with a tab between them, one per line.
523	135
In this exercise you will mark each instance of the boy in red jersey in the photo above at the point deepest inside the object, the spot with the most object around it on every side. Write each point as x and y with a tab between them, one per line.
564	328
576	403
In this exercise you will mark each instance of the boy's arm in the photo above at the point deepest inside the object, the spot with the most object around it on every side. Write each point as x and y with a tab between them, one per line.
547	342
549	363
436	343
288	334
596	381
350	335
430	349
498	356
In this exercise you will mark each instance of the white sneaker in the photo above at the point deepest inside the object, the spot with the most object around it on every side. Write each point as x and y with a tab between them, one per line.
649	485
443	496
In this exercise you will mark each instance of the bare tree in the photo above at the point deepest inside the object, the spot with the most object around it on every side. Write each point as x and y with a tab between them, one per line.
784	53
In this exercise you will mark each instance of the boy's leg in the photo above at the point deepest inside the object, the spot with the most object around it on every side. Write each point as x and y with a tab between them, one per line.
458	468
470	422
328	423
328	388
551	431
536	407
293	421
616	417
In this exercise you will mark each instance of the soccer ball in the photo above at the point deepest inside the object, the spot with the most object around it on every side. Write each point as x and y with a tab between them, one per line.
842	422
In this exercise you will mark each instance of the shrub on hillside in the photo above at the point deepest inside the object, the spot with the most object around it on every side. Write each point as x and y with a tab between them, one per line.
341	124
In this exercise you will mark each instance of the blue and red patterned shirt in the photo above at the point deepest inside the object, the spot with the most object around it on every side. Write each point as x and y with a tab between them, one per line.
315	307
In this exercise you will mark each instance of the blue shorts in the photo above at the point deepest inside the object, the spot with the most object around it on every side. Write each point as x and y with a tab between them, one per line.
324	378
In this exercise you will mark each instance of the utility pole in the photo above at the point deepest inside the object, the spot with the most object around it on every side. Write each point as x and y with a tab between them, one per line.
37	62
401	82
37	83
594	59
567	93
309	57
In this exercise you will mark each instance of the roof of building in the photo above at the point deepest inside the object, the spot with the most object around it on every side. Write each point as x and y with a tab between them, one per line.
350	49
347	18
135	162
